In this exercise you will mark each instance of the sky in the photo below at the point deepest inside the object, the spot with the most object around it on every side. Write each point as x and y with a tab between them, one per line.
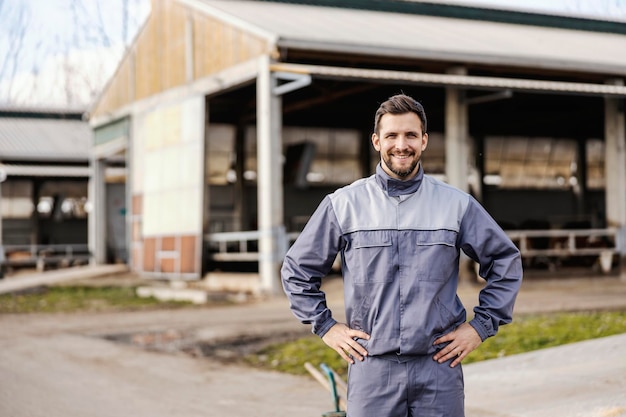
61	52
52	25
46	44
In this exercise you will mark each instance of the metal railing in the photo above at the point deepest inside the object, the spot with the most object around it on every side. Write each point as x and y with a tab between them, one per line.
566	242
43	255
243	246
233	246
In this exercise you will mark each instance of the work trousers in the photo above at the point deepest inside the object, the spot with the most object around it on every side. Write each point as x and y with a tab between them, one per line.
395	386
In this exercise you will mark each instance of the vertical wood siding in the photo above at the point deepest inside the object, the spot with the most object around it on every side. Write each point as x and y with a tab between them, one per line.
157	59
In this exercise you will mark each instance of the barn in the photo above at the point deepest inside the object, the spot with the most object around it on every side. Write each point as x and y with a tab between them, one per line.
44	175
234	118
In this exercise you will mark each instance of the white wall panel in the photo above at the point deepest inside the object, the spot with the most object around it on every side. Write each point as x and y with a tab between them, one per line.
170	151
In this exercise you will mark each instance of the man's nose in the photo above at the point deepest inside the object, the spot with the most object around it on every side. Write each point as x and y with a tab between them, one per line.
402	143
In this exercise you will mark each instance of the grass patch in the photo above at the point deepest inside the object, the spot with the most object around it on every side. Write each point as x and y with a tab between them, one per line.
69	299
528	333
525	334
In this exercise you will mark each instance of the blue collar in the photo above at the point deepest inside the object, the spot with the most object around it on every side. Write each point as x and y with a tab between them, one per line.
395	187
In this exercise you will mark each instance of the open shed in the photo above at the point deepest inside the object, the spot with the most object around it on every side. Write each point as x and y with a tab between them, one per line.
44	173
239	116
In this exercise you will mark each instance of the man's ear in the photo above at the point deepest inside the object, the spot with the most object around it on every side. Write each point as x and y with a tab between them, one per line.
376	142
424	141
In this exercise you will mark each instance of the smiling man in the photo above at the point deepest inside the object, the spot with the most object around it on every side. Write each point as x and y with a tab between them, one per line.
401	142
400	233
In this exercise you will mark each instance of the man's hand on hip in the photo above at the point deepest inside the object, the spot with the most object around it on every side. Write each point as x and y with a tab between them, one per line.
343	339
463	340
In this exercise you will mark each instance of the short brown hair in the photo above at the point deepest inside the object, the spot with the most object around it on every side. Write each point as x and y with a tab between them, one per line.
400	104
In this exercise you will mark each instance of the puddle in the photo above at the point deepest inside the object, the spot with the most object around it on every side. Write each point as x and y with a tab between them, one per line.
227	349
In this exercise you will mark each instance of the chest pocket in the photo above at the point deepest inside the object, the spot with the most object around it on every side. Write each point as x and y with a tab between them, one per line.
436	254
436	237
370	256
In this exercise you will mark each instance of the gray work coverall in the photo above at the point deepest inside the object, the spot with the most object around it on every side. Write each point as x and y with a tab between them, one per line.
400	242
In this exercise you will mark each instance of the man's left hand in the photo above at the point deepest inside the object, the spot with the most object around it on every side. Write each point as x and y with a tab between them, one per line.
463	340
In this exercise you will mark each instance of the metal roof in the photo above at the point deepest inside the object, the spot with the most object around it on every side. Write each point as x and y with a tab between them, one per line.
44	139
18	170
481	10
392	34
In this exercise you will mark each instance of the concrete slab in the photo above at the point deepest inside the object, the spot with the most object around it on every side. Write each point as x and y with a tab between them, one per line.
174	294
249	283
586	379
57	276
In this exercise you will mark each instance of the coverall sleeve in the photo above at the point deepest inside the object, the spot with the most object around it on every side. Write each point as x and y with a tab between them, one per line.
483	240
308	260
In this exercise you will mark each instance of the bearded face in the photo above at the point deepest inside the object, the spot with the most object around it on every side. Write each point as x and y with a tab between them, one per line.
400	142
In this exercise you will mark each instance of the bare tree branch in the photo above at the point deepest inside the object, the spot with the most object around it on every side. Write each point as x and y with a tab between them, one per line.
125	22
17	32
58	72
106	41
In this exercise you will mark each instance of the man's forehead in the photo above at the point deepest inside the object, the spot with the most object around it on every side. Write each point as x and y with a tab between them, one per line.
401	122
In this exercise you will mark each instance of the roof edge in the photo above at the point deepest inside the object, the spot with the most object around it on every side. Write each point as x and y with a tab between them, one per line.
483	13
42	113
465	58
230	19
477	82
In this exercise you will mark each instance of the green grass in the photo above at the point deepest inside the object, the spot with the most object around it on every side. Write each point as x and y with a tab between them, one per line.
534	332
525	334
70	299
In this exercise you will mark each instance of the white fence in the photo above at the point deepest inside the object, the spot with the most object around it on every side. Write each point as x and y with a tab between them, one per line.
571	242
41	256
603	243
240	246
555	245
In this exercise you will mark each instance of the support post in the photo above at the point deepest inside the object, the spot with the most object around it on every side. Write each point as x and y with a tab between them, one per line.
97	216
581	177
269	178
457	154
2	179
456	135
479	168
365	155
615	166
34	218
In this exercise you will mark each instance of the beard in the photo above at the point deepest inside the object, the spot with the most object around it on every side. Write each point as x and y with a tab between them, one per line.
401	172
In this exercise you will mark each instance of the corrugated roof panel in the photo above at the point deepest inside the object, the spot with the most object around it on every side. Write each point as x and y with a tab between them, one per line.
14	170
44	139
430	37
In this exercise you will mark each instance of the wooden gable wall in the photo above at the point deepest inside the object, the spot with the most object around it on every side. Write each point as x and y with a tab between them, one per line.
158	60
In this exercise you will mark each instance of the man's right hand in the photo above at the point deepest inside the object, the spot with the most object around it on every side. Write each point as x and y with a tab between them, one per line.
342	338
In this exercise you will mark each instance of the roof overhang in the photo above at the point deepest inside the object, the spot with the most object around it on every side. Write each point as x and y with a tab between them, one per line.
411	30
63	171
471	58
453	80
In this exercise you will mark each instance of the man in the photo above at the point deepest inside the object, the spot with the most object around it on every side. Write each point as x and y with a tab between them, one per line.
399	233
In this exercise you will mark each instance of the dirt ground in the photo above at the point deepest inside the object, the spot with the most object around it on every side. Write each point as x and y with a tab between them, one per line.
143	363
